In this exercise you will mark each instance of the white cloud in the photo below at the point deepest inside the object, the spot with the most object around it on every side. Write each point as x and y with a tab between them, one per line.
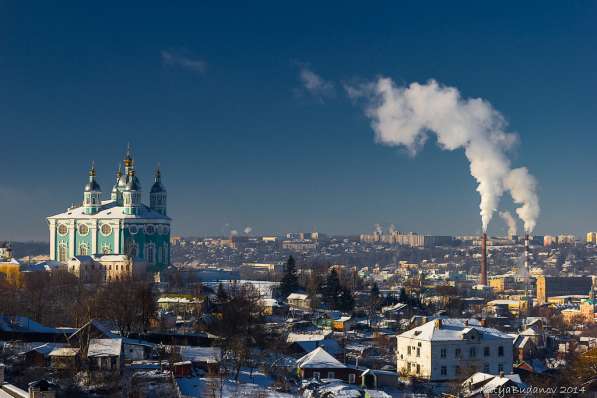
183	60
314	84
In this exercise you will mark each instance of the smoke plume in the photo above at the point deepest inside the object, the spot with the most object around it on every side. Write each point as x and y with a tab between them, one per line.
378	229
405	116
510	221
248	230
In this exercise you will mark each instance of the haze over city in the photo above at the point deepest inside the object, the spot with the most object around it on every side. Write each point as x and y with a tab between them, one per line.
250	114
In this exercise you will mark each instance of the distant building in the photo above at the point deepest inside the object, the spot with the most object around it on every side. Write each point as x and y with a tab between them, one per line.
500	284
551	286
592	238
300	246
106	268
450	349
5	251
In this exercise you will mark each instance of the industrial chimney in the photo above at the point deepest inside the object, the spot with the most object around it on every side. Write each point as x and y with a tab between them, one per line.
484	259
526	265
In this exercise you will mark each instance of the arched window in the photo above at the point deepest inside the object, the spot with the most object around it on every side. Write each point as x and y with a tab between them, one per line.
83	250
106	248
150	253
62	251
131	248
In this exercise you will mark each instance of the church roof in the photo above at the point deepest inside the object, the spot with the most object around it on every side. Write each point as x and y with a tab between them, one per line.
110	209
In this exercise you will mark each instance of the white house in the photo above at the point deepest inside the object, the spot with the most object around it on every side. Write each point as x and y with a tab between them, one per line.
452	349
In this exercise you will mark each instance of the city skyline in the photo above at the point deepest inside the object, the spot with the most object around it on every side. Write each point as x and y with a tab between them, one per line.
254	129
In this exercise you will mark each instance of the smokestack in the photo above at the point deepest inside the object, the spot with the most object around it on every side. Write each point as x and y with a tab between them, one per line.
526	266
484	259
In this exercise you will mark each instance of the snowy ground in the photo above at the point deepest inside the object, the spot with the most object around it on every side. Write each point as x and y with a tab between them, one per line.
257	384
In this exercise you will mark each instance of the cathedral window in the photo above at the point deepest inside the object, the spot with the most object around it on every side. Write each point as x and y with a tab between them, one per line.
150	253
83	229
62	229
149	229
106	229
62	252
131	248
106	249
83	251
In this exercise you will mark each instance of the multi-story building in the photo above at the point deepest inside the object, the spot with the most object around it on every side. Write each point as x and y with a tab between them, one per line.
552	286
121	225
592	238
452	349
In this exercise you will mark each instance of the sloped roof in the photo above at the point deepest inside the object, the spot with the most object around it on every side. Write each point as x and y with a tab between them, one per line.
64	352
104	347
297	296
319	359
110	209
452	329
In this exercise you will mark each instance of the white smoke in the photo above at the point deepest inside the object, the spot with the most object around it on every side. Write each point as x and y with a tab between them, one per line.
378	229
510	221
234	232
404	116
248	230
391	229
523	188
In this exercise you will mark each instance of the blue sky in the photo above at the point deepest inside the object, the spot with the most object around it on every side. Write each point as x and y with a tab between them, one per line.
216	95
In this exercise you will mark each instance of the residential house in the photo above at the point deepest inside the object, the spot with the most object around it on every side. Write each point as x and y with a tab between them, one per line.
319	364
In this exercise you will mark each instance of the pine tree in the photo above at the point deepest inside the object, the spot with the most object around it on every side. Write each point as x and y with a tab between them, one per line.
289	282
221	294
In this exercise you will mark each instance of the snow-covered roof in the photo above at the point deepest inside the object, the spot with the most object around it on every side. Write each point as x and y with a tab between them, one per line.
104	347
201	354
297	296
319	359
110	209
64	352
296	337
452	330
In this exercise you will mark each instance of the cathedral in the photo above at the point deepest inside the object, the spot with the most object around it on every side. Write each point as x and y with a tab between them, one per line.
122	225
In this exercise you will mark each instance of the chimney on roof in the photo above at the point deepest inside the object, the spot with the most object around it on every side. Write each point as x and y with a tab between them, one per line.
438	323
1	373
466	322
483	322
501	373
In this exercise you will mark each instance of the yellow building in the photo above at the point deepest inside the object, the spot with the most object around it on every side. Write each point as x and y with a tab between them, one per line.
499	284
12	272
592	238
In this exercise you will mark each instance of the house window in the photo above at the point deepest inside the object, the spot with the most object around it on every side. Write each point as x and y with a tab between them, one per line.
352	378
418	352
501	351
331	375
458	353
443	352
418	368
486	351
408	350
444	371
316	375
473	352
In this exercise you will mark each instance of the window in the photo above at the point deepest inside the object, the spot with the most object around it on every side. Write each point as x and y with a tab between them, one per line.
83	249
62	252
472	352
486	351
418	352
133	229
331	375
457	370
150	253
444	371
131	248
106	229
316	375
83	229
62	229
409	350
458	353
500	367
106	249
443	352
149	229
501	351
352	378
418	368
486	368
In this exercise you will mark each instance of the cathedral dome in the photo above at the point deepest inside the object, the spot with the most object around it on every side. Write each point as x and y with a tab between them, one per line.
133	183
92	186
157	187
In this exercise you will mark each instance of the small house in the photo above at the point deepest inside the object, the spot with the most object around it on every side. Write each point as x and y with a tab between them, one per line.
105	354
318	364
65	358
